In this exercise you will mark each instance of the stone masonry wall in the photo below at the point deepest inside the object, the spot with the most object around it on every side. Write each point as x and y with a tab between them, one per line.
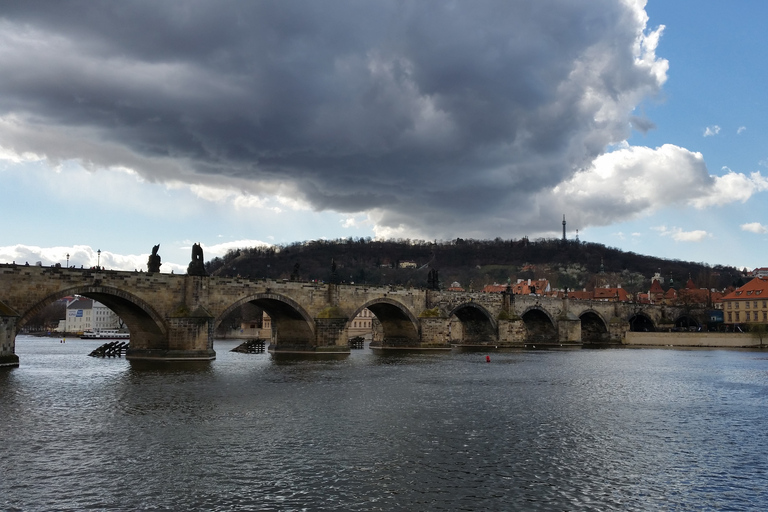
434	331
8	341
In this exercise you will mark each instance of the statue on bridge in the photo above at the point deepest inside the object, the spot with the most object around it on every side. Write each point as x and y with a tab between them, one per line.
153	263
433	281
197	265
334	275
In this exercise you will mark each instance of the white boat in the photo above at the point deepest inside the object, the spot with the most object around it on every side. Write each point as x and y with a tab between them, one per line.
105	334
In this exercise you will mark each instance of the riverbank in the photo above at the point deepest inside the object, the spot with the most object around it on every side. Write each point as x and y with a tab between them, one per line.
694	339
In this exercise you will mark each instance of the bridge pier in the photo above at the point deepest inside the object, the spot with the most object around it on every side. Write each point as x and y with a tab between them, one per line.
512	331
190	338
569	329
330	337
8	321
434	333
618	329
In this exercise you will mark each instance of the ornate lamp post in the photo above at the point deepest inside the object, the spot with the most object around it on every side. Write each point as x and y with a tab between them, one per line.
98	260
67	260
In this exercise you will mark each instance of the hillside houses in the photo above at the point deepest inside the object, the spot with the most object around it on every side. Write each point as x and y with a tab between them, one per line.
689	295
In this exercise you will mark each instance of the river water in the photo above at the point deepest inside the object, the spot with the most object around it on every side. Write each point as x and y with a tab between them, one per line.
532	430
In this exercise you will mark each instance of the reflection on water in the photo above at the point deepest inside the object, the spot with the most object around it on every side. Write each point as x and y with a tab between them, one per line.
531	430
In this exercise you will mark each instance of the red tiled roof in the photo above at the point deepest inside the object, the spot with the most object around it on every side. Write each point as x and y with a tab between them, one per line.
611	294
757	287
494	288
700	295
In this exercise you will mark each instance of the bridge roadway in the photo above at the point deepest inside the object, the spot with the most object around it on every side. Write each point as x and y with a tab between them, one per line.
173	317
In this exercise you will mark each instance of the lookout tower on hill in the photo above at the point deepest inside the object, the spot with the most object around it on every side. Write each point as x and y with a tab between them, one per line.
563	227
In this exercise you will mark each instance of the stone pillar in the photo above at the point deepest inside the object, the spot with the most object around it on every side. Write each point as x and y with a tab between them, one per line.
377	333
434	332
331	336
189	338
569	329
512	331
617	330
8	357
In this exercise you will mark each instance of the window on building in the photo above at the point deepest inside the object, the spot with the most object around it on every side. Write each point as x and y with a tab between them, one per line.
729	305
729	316
737	317
765	316
746	305
754	304
747	316
735	305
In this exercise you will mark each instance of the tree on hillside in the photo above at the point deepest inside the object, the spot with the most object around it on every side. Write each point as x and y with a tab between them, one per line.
47	319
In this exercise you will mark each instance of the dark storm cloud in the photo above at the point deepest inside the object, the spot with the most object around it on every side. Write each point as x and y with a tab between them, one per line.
437	115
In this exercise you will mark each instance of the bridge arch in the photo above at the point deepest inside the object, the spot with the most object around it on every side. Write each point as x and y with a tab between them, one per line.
148	328
640	322
687	322
594	328
539	324
292	326
400	328
477	325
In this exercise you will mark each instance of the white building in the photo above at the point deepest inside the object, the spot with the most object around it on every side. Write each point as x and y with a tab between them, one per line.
362	324
104	318
85	314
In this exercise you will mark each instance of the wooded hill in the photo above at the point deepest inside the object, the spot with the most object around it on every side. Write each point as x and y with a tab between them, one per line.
471	263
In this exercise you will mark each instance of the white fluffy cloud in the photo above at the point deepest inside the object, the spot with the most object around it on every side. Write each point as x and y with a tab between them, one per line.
79	256
86	257
754	227
678	235
634	181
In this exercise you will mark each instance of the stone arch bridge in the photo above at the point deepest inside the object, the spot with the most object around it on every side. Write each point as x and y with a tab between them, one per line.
173	317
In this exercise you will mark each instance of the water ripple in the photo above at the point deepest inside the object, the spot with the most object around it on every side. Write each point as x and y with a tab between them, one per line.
578	430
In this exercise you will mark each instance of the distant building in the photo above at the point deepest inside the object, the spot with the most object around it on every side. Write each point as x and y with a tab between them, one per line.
85	314
656	293
670	296
257	328
760	272
531	287
747	304
691	295
361	325
521	287
611	294
604	294
407	264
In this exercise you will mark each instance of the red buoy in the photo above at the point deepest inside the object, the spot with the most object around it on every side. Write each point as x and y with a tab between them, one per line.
487	359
